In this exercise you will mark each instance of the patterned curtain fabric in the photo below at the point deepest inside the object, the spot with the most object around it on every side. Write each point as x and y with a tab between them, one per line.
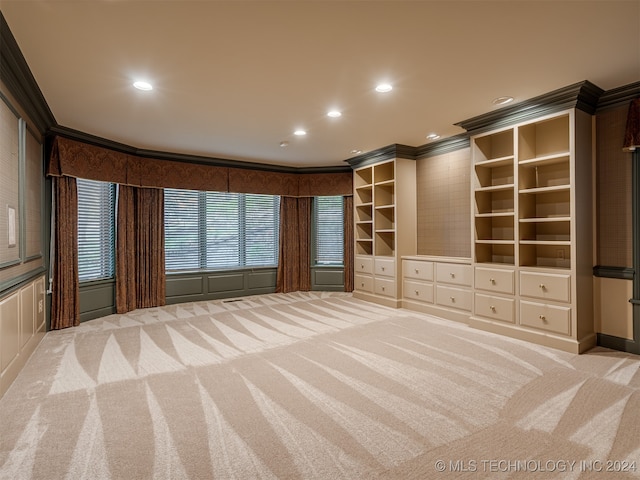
140	264
632	132
294	265
348	244
65	299
81	160
126	296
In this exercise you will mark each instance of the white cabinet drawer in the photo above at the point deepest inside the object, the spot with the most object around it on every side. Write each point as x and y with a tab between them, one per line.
453	297
495	280
383	286
385	267
420	291
545	317
417	269
548	286
363	265
453	274
496	308
363	282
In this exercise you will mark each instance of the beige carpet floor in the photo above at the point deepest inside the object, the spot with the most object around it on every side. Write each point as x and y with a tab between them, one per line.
314	386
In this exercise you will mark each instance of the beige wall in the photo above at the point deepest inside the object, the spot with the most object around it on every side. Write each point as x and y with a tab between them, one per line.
444	204
613	312
18	138
613	191
22	282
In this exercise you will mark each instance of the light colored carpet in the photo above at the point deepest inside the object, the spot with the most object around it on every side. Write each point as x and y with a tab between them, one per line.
313	385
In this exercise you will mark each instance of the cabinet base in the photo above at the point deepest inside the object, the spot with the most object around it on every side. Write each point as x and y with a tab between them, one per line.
569	345
370	297
438	311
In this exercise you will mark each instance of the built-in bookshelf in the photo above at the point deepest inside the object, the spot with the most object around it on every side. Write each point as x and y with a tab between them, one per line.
532	224
385	227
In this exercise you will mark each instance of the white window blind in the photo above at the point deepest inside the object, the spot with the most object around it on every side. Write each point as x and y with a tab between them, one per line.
96	230
329	230
217	230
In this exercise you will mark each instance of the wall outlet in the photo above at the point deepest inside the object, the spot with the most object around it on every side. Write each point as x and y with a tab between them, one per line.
40	306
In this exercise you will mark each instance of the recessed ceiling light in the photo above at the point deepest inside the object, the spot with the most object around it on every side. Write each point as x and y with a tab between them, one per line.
300	132
334	113
384	88
502	100
140	85
433	136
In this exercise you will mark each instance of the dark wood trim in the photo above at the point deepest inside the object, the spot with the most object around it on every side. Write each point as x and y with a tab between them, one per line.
16	75
622	273
618	343
179	157
620	96
446	145
381	154
635	215
583	96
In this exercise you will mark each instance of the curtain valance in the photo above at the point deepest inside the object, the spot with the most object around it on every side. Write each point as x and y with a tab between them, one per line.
632	132
73	158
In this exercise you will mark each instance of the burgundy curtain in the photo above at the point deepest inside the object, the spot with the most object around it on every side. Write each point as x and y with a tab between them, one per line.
65	299
140	265
294	265
348	244
632	131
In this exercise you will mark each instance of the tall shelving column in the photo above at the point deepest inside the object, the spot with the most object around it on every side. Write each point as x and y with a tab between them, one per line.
533	228
385	228
494	208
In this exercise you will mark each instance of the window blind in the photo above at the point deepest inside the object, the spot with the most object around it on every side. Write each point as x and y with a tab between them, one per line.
329	230
96	230
217	230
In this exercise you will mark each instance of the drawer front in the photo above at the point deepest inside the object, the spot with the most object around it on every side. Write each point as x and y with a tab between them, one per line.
453	274
453	297
383	286
417	269
495	308
548	286
495	280
422	292
545	317
385	267
363	265
364	283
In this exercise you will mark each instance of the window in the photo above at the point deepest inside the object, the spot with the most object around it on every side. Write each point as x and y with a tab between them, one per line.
96	230
214	230
328	213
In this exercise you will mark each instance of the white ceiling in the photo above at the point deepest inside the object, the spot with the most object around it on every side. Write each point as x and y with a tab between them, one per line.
233	79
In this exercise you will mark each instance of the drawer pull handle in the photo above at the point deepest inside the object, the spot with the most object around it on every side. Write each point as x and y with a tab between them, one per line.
382	268
362	266
417	271
542	317
492	308
383	289
493	281
453	275
363	284
453	299
542	286
417	293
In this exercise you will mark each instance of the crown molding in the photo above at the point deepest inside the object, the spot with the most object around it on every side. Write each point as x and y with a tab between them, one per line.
179	157
381	154
16	75
620	96
446	145
583	96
